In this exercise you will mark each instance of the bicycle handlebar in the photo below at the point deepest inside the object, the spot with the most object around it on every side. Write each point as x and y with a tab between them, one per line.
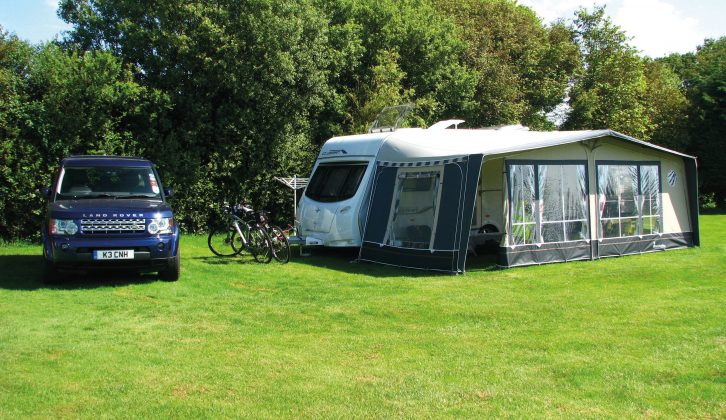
246	210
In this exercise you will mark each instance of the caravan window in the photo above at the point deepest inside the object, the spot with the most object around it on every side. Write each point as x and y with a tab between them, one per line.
629	199
414	211
335	182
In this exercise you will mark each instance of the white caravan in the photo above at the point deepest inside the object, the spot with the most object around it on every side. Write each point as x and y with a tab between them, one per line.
330	208
423	198
333	208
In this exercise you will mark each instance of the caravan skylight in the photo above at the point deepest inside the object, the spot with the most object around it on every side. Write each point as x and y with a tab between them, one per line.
390	118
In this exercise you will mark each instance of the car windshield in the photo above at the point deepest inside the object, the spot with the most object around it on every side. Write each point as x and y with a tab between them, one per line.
107	182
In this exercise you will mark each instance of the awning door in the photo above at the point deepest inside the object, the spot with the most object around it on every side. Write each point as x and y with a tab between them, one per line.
420	213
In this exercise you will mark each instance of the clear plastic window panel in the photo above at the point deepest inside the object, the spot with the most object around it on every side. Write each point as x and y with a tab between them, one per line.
522	187
412	224
563	193
617	197
650	193
629	198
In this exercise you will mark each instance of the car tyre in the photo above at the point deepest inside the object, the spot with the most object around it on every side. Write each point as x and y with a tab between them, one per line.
172	270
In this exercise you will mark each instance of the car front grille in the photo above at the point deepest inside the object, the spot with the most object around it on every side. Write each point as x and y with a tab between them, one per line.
104	226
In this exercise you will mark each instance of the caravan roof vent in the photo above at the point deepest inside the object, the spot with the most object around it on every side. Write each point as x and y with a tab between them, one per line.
514	127
442	125
390	118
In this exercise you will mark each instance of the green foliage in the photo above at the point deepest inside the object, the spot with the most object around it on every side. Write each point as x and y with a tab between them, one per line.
386	89
608	91
708	201
521	67
666	106
707	91
225	96
255	86
703	77
56	103
245	80
401	51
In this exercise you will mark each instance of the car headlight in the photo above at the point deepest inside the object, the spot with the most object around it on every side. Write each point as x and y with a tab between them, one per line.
62	227
161	225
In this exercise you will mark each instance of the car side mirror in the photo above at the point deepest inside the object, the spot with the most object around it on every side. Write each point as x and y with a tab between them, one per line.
46	192
168	192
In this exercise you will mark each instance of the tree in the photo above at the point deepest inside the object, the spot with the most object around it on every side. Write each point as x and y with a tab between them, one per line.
702	76
522	67
398	46
16	189
608	91
54	103
707	91
255	86
245	80
666	106
385	89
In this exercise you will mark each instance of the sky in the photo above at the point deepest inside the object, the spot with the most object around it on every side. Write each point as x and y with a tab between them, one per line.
32	20
657	27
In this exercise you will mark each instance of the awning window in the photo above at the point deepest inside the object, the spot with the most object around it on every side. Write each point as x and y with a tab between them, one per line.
414	210
548	202
629	199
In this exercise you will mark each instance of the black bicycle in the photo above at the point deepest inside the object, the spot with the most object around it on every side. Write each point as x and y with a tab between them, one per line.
278	238
233	235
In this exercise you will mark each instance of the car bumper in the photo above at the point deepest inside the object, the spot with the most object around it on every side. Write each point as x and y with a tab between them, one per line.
76	253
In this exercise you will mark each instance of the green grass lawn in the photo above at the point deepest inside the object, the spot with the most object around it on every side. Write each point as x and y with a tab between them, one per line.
638	336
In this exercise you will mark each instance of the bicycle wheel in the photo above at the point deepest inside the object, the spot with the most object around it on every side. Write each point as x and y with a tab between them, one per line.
237	243
280	245
220	241
259	245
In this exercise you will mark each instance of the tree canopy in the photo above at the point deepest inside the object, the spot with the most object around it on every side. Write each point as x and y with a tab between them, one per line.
225	95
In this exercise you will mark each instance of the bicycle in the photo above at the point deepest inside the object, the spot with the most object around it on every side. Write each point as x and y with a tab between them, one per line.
278	238
234	235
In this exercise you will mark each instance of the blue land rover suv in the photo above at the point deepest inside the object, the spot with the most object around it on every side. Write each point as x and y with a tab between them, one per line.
109	212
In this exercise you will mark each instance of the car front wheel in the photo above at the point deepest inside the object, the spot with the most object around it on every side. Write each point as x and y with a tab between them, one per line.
171	273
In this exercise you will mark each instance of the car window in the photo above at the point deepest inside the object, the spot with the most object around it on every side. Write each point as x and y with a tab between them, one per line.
117	182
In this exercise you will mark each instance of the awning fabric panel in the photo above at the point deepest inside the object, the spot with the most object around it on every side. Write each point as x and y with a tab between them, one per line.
455	210
380	204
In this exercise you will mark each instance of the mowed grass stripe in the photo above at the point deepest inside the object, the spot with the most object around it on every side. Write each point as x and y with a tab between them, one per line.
323	337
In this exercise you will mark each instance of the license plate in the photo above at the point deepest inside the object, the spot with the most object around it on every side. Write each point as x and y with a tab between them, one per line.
116	254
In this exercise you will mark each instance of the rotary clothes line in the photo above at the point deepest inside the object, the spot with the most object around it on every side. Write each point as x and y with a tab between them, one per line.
295	183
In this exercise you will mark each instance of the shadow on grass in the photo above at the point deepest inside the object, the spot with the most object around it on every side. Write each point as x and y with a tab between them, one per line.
713	212
482	262
345	260
217	260
25	272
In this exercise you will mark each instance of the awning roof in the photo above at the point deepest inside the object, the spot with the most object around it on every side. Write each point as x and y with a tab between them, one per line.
407	145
